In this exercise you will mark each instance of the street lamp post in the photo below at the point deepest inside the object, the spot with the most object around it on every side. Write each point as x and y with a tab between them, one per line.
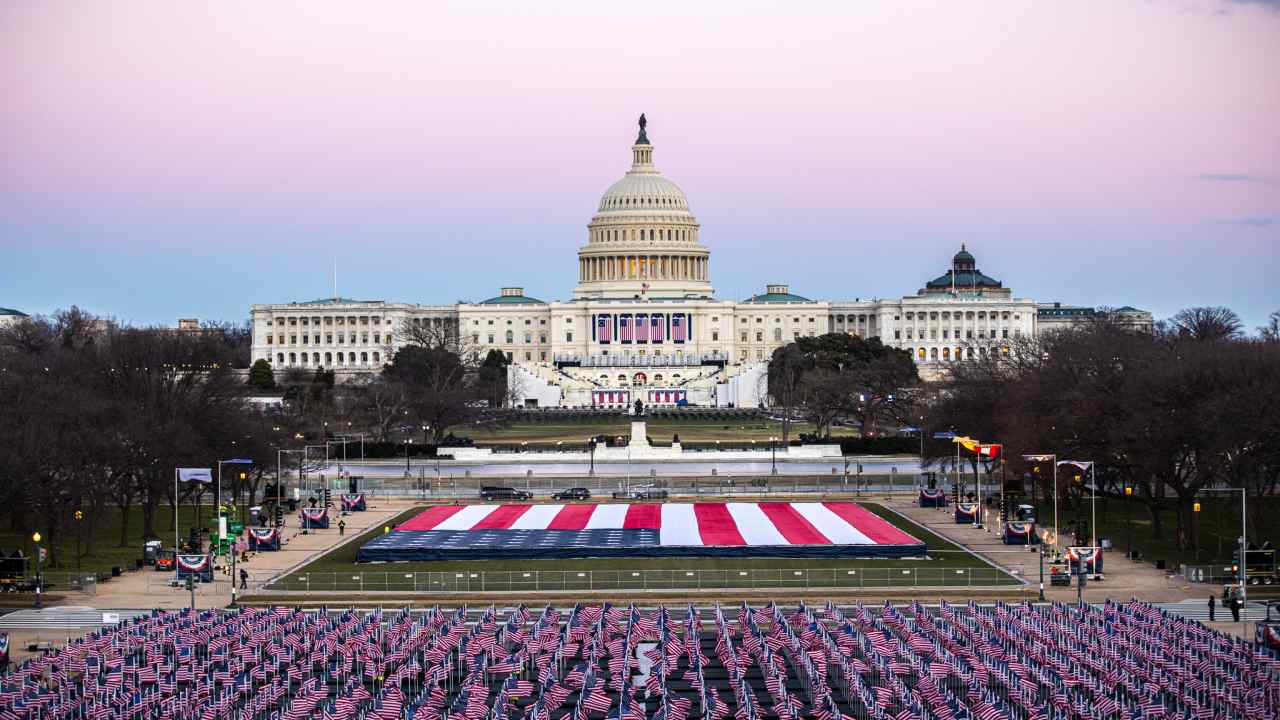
1128	520
773	450
1053	458
1042	572
591	445
1195	527
35	537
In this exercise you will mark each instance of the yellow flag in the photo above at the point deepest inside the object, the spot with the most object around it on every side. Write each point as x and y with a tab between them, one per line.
969	443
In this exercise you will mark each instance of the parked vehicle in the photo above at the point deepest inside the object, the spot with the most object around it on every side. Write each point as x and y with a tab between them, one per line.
650	495
164	561
492	492
577	493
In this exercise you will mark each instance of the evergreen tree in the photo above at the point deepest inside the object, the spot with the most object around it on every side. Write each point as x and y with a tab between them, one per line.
261	376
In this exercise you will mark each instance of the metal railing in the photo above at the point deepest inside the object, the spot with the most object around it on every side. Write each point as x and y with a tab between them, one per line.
57	582
447	486
681	579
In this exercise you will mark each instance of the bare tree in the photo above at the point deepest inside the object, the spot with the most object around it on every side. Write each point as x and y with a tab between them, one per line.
1207	323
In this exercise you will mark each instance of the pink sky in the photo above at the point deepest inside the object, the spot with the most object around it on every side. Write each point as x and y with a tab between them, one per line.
873	135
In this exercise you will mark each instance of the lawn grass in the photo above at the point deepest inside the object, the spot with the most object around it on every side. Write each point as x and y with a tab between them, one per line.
1219	528
106	552
337	570
660	429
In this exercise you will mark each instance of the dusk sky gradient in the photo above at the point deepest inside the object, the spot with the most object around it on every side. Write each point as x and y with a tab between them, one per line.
162	160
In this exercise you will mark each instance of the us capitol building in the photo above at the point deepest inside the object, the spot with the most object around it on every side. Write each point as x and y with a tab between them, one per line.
644	322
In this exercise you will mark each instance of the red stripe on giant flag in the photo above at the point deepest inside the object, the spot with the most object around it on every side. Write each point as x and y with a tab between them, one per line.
793	526
643	517
876	528
716	525
572	517
992	451
431	517
502	518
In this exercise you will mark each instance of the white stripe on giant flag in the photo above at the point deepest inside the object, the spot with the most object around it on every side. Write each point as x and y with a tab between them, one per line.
537	517
195	475
467	517
755	527
607	517
679	525
831	525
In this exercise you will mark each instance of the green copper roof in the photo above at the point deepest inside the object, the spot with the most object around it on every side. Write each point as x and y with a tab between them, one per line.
964	279
8	311
777	298
512	300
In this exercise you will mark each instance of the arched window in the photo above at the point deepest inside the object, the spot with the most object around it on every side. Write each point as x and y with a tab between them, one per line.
364	358
777	334
304	358
351	359
920	354
946	353
377	357
328	358
510	337
293	359
933	354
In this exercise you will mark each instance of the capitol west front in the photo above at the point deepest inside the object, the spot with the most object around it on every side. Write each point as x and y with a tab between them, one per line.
644	322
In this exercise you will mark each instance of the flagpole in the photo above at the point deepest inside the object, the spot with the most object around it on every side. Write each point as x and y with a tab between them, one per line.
1055	505
1093	521
175	525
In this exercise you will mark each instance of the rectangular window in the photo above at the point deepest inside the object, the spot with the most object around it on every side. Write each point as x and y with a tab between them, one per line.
759	336
944	333
744	337
490	338
897	334
269	339
715	335
568	337
1005	333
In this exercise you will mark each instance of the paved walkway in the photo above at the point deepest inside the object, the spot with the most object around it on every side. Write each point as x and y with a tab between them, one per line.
149	589
1123	579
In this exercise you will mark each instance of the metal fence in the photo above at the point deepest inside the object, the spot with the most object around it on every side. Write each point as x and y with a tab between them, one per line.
466	486
58	582
685	579
1221	575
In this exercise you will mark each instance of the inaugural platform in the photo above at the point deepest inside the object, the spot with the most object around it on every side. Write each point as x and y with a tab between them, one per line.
716	529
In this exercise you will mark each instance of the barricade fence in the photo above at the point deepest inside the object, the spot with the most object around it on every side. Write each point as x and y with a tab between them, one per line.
57	581
605	486
678	579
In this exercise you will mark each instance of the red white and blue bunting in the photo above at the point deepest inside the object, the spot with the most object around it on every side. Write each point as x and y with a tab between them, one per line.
1020	533
353	502
264	539
315	518
198	566
932	498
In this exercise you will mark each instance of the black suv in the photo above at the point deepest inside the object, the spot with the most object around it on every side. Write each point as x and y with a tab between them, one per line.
578	493
490	492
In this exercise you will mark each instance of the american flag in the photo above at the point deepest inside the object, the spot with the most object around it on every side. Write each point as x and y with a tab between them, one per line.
624	328
642	328
678	327
657	328
604	329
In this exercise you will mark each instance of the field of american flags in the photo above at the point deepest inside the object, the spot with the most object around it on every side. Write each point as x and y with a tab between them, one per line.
592	662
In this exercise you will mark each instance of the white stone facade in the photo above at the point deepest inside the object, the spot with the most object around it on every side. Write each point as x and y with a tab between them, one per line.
643	321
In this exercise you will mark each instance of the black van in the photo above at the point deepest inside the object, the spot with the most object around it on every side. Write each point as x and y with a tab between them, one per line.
493	492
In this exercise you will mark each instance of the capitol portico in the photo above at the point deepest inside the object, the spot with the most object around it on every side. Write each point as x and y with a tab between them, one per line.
644	322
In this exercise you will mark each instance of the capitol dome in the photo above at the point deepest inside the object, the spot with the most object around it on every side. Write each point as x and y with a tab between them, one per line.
643	240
